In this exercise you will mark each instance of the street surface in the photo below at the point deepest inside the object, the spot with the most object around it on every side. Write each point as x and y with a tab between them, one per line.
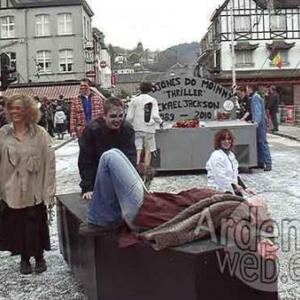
279	187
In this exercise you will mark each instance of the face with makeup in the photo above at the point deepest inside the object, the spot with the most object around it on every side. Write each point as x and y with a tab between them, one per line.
114	117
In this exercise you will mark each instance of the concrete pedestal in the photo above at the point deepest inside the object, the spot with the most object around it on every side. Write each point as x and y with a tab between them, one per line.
181	149
138	272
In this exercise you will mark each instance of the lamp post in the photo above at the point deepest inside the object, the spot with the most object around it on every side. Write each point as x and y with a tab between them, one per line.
232	47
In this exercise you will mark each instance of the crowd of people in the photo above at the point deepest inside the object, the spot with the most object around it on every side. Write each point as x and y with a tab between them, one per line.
115	175
55	116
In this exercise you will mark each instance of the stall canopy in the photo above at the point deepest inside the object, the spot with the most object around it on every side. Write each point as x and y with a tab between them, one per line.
51	92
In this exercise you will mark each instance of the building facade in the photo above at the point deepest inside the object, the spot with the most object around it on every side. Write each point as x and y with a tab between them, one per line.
258	28
48	41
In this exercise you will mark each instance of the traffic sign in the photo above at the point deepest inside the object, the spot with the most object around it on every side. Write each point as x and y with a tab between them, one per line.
90	73
103	64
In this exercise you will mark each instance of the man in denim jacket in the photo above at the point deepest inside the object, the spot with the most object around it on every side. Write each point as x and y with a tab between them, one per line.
260	121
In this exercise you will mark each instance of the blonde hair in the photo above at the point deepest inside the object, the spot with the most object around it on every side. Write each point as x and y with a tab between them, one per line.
31	112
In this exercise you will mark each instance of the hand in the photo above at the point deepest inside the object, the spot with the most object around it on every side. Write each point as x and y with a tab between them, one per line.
74	135
87	196
51	204
255	124
267	249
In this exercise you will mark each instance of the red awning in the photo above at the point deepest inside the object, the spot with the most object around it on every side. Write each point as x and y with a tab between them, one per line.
51	92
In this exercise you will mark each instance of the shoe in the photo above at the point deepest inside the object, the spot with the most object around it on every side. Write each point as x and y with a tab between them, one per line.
268	168
25	267
259	166
40	265
94	230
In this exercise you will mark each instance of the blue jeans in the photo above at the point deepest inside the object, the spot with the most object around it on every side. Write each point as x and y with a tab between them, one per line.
118	192
263	150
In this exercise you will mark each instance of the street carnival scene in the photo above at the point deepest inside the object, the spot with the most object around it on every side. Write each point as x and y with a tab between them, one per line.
149	152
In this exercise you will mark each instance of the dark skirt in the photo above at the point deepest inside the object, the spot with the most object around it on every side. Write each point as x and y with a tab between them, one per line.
60	128
24	231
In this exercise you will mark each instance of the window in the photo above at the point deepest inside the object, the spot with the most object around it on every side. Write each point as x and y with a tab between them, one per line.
84	27
66	61
278	23
42	25
13	59
243	58
8	27
43	61
65	24
242	23
283	55
88	35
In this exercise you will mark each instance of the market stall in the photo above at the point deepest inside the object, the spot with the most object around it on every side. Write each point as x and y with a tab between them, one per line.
199	108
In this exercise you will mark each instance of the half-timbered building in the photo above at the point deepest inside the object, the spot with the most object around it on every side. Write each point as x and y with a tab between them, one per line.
254	29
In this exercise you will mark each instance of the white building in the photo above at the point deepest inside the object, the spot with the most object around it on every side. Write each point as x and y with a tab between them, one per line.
258	30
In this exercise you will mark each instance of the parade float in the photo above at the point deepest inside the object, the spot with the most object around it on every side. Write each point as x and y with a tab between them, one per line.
193	110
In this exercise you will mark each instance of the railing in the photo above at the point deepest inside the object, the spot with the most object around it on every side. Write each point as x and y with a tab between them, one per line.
289	114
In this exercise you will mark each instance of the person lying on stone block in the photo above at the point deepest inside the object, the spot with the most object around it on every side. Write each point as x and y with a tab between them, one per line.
166	219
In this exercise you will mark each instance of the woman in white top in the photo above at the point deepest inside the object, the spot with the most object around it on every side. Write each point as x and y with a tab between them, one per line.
59	122
222	166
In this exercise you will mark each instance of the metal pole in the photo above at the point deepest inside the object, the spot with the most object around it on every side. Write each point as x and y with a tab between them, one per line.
232	47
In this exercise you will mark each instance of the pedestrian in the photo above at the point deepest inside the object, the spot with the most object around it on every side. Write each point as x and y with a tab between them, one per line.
2	113
273	105
43	112
244	112
259	119
143	114
222	166
50	116
27	185
59	122
169	219
266	97
84	108
104	133
66	109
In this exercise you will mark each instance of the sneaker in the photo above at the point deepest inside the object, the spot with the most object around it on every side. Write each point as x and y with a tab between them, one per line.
92	229
25	267
40	265
268	168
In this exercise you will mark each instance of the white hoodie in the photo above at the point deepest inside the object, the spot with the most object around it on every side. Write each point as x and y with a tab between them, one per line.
59	117
136	113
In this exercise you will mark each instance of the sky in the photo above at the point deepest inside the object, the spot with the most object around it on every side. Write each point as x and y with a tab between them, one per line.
158	24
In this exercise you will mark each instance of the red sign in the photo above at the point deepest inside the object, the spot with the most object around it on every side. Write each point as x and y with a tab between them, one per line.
103	64
90	74
113	80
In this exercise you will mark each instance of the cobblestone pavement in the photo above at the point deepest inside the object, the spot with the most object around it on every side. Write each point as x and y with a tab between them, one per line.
280	188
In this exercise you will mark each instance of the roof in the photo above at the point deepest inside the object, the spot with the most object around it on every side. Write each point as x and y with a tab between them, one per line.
50	3
280	44
139	77
51	92
242	46
279	3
